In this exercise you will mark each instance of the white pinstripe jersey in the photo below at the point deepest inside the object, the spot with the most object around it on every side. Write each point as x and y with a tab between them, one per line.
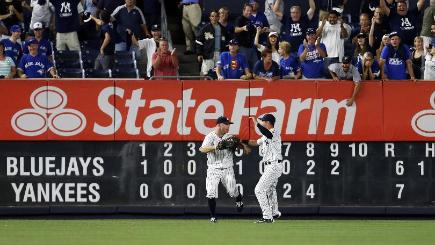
270	148
217	158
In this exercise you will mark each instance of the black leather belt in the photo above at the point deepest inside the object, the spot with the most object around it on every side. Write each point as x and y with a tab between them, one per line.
267	163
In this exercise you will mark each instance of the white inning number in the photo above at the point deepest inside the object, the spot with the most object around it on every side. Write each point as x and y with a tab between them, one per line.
421	164
240	187
310	191
191	190
143	191
287	189
399	193
311	164
240	166
143	149
310	149
361	149
191	152
287	148
287	166
334	149
167	191
168	148
336	164
191	167
399	168
167	167
144	163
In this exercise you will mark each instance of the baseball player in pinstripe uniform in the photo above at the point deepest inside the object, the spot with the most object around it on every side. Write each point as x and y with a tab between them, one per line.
220	166
270	147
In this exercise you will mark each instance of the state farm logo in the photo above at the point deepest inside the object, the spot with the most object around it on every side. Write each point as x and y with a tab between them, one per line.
423	122
48	112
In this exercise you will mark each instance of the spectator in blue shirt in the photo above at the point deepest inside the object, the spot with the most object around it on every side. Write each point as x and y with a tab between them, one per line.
311	54
12	47
396	60
45	47
232	64
289	64
266	68
34	65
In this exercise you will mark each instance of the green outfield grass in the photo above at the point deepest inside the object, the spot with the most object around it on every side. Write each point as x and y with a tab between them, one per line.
194	231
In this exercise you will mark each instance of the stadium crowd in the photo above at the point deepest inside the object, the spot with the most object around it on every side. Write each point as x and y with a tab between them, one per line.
392	40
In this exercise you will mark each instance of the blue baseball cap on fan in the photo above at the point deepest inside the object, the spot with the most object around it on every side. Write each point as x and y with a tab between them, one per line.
15	28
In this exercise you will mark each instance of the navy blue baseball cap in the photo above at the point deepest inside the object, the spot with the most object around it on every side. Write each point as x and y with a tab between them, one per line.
311	31
234	42
268	118
394	33
32	41
15	28
224	120
346	60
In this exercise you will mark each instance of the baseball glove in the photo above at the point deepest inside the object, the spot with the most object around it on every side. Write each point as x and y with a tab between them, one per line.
231	143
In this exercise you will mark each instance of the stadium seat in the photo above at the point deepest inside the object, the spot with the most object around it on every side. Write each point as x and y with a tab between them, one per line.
65	63
68	59
125	73
92	73
67	55
124	55
72	73
88	57
90	44
124	63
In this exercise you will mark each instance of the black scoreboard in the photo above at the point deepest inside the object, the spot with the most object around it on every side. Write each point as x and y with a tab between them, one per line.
168	175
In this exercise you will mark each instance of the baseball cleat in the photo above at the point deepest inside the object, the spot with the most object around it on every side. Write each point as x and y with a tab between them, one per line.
277	215
213	220
239	206
263	220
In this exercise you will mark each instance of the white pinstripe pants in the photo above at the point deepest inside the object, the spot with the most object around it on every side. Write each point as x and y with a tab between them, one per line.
265	190
226	176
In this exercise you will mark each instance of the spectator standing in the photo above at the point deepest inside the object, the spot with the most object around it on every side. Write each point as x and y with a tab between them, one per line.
245	33
395	60
165	62
311	54
191	18
428	20
325	6
295	26
404	21
210	43
41	12
364	27
272	8
67	24
429	69
34	65
15	9
258	19
150	45
266	68
7	65
12	46
232	64
224	13
333	33
272	44
417	57
378	28
107	35
45	45
346	71
129	17
289	64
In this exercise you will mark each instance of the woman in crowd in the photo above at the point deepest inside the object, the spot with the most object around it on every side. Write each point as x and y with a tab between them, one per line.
361	47
368	67
429	70
7	65
266	68
272	44
385	42
289	65
417	57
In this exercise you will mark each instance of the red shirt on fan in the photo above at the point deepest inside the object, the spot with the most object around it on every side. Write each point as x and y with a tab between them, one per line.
165	63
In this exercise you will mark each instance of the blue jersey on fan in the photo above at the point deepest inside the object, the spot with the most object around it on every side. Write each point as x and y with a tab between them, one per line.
233	67
289	65
35	66
12	49
44	47
395	61
312	66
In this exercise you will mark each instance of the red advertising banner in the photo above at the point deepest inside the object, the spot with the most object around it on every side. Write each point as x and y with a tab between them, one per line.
409	110
101	110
